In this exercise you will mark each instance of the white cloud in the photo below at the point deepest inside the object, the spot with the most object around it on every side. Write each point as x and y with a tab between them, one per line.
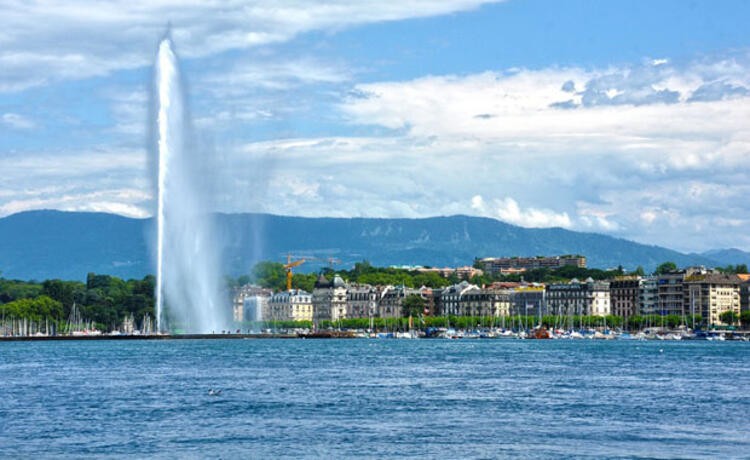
508	210
44	42
109	201
477	203
16	121
628	168
106	180
273	75
591	216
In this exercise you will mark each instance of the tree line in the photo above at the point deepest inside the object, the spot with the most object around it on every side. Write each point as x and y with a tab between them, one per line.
272	275
103	299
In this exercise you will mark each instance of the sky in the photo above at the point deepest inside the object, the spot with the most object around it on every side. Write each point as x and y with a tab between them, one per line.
628	118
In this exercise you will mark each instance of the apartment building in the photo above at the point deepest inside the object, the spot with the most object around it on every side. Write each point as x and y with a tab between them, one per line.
528	300
294	305
579	298
625	295
710	295
249	302
494	265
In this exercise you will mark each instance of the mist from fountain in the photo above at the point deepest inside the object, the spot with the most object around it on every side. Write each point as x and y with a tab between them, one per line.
188	295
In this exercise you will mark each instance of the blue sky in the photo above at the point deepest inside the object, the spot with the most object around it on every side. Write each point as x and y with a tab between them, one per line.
625	118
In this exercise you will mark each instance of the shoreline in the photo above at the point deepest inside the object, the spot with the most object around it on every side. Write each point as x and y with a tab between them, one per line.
736	336
46	338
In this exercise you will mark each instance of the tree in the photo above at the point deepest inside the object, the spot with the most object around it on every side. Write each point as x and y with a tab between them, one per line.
733	269
304	281
36	309
666	267
361	268
745	318
412	305
243	280
729	317
639	271
270	275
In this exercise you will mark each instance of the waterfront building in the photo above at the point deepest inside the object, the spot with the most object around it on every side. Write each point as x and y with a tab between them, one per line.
293	305
361	301
495	265
429	296
625	296
329	299
528	300
671	299
576	298
249	302
648	296
485	302
744	292
391	300
710	295
450	298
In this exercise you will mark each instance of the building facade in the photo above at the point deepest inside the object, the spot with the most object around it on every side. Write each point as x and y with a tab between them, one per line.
744	292
576	298
484	302
529	300
329	299
649	296
711	295
670	297
294	305
391	300
495	265
249	302
361	301
625	296
449	302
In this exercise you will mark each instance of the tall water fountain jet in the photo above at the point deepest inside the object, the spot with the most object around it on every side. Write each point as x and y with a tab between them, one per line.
187	264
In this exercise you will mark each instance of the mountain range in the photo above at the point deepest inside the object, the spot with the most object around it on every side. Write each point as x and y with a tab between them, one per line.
68	245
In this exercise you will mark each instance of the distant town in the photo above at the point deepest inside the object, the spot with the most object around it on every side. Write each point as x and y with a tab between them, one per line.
516	296
511	288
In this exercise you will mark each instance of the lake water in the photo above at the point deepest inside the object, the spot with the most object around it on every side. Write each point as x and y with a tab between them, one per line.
375	399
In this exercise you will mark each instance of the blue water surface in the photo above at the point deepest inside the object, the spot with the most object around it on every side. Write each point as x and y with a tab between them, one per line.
375	399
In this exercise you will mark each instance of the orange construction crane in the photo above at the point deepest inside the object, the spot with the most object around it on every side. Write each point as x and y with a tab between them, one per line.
288	267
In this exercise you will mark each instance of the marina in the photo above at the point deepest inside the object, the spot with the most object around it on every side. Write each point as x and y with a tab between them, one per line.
431	333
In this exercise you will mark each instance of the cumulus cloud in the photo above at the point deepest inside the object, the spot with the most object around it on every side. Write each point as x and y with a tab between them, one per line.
105	180
46	42
494	145
127	202
639	148
509	211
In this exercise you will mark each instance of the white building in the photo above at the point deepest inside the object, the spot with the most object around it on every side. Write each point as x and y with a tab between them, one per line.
711	295
294	305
